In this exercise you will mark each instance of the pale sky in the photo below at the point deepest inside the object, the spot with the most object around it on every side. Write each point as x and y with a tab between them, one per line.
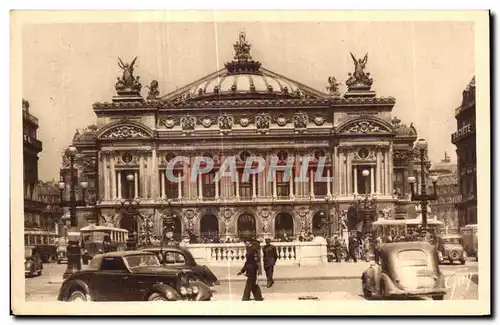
68	67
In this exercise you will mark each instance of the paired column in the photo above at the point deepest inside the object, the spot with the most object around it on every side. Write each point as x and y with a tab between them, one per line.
113	176
216	181
154	174
328	190
119	176
136	185
106	171
378	171
390	172
311	183
179	187
372	181
274	184
355	180
348	173
237	189
163	188
200	189
254	180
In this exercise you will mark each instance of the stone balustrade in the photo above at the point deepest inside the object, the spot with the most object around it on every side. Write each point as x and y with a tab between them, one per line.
289	253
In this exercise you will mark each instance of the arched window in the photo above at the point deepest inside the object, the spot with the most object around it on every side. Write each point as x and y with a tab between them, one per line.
129	223
317	223
209	226
247	227
283	224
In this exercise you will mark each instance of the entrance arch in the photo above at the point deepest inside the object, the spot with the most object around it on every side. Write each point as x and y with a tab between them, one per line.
317	223
283	224
209	226
247	227
129	222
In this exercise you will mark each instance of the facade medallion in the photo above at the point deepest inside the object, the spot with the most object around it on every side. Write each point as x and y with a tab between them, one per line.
189	214
300	121
127	158
281	120
207	122
187	123
168	122
244	121
263	122
363	153
319	120
225	122
365	127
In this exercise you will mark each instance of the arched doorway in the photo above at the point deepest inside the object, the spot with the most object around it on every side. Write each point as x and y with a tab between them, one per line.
317	223
209	227
175	227
129	222
247	227
283	224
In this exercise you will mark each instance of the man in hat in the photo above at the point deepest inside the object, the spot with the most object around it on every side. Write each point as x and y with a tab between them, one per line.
251	270
270	258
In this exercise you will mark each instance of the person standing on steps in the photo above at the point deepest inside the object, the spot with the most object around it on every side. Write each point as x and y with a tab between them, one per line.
252	270
270	258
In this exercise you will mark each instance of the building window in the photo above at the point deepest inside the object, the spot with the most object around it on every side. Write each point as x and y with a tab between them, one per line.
128	188
246	185
209	227
247	227
282	184
283	224
362	183
172	187
321	187
399	182
208	185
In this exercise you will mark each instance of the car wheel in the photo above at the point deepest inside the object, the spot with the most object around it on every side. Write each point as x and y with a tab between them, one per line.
78	296
157	297
440	297
366	293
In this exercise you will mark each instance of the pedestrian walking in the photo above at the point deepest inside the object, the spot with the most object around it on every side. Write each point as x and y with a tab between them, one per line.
251	270
270	258
353	247
337	246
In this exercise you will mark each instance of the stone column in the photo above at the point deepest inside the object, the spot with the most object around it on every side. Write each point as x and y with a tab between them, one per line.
290	183
372	181
349	173
385	170
340	172
119	176
378	169
113	176
356	180
179	187
163	191
237	186
106	171
200	188
311	183
136	185
274	184
391	171
328	190
154	174
216	181
142	175
254	179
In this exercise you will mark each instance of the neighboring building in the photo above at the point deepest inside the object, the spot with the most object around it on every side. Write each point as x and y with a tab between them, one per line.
445	208
41	211
241	111
465	141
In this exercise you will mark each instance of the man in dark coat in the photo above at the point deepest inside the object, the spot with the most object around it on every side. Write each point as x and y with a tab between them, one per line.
353	248
270	258
337	246
251	270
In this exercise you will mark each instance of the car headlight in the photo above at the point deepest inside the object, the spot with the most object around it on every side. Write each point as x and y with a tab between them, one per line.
170	295
189	291
183	291
195	290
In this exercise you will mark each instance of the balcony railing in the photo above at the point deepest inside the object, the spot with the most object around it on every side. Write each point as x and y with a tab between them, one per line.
463	132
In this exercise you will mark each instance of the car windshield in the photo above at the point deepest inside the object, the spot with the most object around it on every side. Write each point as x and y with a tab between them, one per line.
27	252
142	260
451	241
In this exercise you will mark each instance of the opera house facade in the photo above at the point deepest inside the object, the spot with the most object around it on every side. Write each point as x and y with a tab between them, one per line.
244	111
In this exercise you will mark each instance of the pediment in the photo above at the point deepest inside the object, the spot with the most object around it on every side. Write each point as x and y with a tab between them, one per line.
125	130
365	125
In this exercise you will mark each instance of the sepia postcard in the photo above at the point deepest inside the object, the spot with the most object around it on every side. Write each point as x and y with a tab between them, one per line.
250	163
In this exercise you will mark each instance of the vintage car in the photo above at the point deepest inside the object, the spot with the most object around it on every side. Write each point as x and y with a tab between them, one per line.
451	249
405	270
32	261
176	257
131	276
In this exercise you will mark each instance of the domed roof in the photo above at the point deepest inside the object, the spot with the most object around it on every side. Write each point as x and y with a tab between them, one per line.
243	78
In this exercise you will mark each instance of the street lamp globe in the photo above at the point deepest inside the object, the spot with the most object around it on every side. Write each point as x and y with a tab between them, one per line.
61	185
71	151
130	177
84	185
412	179
365	172
421	144
434	178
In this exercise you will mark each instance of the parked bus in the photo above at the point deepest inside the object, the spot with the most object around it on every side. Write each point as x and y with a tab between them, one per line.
44	241
103	239
469	233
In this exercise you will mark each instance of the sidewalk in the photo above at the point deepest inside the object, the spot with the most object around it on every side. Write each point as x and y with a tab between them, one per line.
277	296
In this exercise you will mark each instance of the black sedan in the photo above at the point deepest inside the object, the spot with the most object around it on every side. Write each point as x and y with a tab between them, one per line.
131	276
175	257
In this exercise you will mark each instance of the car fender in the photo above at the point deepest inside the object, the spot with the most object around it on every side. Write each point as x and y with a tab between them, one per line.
68	287
165	289
204	292
386	281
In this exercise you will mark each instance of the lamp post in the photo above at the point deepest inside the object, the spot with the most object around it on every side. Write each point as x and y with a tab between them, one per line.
423	197
73	249
130	205
168	228
367	203
328	221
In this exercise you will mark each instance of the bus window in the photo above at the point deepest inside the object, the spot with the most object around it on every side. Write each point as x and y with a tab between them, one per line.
26	240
